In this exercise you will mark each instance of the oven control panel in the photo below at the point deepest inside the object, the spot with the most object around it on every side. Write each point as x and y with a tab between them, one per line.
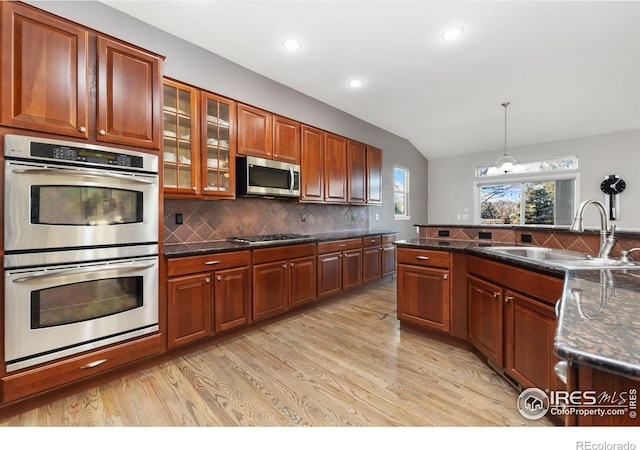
84	155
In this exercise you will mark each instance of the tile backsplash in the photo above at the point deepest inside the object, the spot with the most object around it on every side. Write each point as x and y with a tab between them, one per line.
211	220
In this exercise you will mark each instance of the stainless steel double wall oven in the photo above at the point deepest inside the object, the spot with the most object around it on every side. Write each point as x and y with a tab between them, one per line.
81	247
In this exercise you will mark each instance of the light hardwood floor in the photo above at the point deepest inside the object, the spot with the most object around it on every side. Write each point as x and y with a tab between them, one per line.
345	363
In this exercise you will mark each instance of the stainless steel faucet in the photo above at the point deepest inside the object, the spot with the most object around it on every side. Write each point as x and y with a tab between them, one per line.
607	237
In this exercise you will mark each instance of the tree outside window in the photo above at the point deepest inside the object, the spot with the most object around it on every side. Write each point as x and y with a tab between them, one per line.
401	192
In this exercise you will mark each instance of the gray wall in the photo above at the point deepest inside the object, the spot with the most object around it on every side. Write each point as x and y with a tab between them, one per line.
451	179
192	64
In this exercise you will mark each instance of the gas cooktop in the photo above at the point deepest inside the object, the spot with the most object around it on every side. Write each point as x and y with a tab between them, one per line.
263	239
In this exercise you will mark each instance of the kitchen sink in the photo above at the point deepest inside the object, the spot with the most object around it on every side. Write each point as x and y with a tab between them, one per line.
566	259
538	253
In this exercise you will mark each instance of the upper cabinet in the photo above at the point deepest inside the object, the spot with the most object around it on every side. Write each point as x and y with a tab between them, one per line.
312	165
48	85
374	175
266	135
255	132
357	168
335	168
199	143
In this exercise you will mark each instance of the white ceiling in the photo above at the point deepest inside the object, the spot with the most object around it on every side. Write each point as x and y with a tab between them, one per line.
569	69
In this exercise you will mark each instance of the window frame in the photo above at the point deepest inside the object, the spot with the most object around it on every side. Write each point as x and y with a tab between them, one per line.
522	178
406	192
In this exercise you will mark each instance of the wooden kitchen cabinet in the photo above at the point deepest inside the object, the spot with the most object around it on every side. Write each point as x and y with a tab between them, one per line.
335	168
48	67
424	288
374	175
207	294
199	143
371	259
357	172
339	266
389	252
312	165
512	320
286	140
485	318
255	132
283	278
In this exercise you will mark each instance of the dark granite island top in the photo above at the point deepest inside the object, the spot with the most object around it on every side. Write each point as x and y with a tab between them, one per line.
599	320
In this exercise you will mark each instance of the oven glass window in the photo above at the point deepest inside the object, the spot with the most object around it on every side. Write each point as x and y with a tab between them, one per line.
85	205
78	302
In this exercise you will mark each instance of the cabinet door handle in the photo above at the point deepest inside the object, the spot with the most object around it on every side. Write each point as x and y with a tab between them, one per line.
93	364
445	276
507	298
207	280
284	266
212	263
102	132
82	129
219	278
194	189
291	264
496	294
422	258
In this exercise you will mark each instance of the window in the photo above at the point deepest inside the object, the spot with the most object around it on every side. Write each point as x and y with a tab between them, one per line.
543	194
401	193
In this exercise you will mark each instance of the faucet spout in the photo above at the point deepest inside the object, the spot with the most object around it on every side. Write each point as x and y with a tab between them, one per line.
607	239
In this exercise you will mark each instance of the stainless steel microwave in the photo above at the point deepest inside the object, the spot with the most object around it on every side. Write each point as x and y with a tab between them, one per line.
266	178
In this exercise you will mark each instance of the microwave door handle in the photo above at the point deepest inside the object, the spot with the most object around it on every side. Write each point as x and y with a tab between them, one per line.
291	179
82	270
87	174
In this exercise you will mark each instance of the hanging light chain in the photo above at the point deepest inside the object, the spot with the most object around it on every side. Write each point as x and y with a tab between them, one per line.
505	104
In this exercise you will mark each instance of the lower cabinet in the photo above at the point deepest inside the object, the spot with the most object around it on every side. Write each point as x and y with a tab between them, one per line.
283	278
202	300
378	257
388	250
512	320
339	266
424	288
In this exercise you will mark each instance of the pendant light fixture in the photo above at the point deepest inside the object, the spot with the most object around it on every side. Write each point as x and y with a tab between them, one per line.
505	163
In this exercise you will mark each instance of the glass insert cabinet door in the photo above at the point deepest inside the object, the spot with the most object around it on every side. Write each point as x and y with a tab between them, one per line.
180	138
218	146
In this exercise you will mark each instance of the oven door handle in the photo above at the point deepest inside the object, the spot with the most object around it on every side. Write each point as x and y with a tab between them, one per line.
83	270
86	174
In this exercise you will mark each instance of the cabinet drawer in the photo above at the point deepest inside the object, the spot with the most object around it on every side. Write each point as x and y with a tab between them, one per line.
60	373
371	241
264	255
338	246
387	238
416	257
205	263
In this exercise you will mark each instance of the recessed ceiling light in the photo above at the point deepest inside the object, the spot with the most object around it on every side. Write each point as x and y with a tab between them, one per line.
292	45
452	33
355	83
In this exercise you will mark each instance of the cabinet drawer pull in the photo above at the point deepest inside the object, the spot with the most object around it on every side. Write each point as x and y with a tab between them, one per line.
212	263
558	307
93	364
422	258
342	245
373	241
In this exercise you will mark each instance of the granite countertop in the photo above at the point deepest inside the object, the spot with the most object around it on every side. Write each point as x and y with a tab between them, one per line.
228	245
599	320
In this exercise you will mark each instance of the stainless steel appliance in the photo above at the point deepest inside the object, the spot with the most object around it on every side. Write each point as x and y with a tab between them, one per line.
269	238
81	248
58	310
266	178
64	194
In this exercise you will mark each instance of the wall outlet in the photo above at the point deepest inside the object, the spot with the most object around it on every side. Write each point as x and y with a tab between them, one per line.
179	219
303	217
353	216
377	216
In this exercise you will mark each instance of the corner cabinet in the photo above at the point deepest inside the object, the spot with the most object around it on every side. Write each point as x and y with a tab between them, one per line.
512	320
199	143
38	47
